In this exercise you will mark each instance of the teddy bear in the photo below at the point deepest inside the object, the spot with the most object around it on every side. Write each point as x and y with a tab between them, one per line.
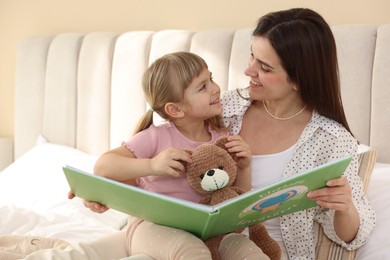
212	173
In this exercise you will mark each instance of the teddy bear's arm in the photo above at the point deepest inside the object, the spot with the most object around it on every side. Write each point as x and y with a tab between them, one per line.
238	190
206	200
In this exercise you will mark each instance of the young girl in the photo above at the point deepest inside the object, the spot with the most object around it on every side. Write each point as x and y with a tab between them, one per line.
179	88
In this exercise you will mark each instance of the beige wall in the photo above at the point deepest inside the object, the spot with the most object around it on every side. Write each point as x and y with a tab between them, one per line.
20	18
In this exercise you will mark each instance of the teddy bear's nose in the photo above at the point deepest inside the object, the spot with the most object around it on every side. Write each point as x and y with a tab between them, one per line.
210	173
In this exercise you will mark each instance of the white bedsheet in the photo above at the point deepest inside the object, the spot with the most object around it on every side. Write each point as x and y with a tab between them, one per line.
71	226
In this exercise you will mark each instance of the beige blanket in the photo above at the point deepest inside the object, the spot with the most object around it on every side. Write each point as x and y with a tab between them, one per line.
16	247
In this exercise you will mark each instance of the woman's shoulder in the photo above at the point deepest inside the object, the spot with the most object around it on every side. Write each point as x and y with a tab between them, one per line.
329	136
235	95
235	101
329	125
324	122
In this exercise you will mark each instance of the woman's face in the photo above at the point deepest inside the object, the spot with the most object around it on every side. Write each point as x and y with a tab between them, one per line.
268	79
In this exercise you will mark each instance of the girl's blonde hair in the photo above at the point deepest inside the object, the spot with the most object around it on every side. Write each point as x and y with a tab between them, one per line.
166	80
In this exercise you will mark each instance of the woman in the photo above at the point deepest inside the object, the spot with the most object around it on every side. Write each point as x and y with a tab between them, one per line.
292	116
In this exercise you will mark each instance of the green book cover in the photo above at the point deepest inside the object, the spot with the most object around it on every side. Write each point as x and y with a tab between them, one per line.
280	198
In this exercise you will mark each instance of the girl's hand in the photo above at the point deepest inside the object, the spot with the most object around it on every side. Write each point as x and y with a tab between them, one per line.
94	206
242	151
170	162
337	195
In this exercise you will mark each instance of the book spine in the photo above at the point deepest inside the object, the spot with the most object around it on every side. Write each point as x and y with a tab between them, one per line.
209	225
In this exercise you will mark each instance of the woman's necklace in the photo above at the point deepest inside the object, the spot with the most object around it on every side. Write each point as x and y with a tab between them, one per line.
283	118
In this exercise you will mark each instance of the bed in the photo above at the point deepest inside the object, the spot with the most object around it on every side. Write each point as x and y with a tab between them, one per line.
78	95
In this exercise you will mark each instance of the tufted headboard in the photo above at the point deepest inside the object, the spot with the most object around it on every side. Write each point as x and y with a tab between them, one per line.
84	90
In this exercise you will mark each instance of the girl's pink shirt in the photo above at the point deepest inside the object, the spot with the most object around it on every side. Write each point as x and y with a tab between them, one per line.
150	142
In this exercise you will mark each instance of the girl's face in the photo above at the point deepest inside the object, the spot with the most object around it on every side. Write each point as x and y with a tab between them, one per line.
202	97
269	80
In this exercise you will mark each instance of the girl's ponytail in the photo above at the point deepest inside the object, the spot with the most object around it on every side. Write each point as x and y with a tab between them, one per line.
145	121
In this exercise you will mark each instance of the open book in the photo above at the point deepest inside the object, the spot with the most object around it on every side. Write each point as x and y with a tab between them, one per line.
277	199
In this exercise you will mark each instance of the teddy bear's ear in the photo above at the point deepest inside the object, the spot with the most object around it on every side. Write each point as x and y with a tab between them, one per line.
221	143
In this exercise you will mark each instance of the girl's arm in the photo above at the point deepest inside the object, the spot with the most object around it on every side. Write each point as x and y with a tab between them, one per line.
120	164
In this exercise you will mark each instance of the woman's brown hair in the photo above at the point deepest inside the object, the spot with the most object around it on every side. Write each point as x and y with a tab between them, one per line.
306	47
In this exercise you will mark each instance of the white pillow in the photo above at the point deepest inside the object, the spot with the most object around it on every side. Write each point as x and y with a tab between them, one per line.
36	179
35	183
377	247
363	148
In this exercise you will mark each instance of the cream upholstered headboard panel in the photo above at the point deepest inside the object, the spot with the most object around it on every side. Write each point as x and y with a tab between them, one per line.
84	90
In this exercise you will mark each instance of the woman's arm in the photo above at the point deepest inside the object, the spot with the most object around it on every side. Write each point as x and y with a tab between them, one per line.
352	220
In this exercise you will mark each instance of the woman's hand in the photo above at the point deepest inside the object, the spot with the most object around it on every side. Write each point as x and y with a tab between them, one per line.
94	206
170	162
338	196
